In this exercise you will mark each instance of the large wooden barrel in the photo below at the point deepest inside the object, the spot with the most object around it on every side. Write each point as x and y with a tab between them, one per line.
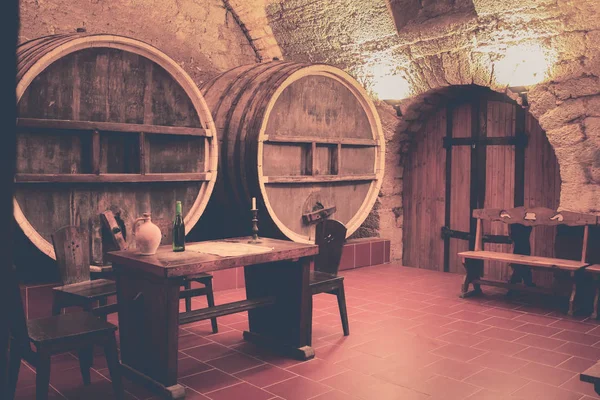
107	123
299	138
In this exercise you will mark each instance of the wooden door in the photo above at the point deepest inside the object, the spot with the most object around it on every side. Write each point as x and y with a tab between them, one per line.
481	150
424	197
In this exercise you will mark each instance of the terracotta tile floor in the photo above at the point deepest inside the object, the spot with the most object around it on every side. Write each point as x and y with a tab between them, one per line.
411	338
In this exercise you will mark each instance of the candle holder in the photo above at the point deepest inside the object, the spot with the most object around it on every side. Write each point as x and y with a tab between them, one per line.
254	227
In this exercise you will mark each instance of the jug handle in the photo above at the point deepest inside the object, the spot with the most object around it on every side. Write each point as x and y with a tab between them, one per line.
135	224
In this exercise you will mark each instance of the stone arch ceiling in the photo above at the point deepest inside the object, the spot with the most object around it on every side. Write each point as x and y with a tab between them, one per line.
433	44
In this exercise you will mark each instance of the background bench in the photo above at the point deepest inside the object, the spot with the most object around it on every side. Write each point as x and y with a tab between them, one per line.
521	220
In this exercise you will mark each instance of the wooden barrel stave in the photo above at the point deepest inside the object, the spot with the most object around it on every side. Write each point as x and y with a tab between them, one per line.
242	158
105	78
252	103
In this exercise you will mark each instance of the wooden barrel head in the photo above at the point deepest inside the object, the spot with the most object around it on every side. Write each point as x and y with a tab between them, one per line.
288	130
107	123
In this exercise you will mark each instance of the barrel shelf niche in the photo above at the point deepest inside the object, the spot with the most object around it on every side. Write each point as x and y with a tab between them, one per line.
107	122
299	138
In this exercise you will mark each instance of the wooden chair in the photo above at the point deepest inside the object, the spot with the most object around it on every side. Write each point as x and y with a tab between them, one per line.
71	245
119	242
330	237
207	290
78	331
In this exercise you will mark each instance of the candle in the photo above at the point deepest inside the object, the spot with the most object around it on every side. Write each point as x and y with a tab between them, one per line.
254	203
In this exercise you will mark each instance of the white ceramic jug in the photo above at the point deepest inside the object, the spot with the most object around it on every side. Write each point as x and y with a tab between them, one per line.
147	236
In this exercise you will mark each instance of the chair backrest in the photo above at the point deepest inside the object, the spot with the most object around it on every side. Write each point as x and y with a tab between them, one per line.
330	236
535	216
17	320
522	219
71	246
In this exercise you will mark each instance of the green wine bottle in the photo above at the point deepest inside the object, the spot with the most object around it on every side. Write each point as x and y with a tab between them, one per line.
178	230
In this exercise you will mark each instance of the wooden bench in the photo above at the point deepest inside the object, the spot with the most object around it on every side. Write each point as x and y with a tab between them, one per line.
521	221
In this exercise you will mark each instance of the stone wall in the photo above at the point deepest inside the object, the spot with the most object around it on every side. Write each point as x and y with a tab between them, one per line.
416	48
426	46
201	35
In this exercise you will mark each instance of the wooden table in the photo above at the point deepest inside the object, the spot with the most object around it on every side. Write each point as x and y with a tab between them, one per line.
279	305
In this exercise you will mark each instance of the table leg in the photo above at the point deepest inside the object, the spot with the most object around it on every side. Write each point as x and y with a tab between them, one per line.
284	327
149	331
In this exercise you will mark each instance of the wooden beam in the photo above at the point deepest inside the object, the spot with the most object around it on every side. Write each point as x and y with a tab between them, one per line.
311	139
111	178
109	126
224	309
318	178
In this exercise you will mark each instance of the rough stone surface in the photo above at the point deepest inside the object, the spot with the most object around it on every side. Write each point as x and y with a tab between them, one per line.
253	21
202	36
387	44
449	43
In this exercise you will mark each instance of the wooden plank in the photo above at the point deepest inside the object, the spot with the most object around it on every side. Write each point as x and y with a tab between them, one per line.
111	178
535	216
144	156
312	163
499	181
58	124
318	178
533	261
224	309
541	189
434	213
448	188
345	141
519	195
460	214
423	200
336	160
96	152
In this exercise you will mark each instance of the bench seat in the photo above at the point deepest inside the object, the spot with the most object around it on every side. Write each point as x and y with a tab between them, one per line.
532	261
594	269
520	221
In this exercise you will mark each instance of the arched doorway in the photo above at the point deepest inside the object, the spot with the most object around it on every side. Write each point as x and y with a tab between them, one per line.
478	149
